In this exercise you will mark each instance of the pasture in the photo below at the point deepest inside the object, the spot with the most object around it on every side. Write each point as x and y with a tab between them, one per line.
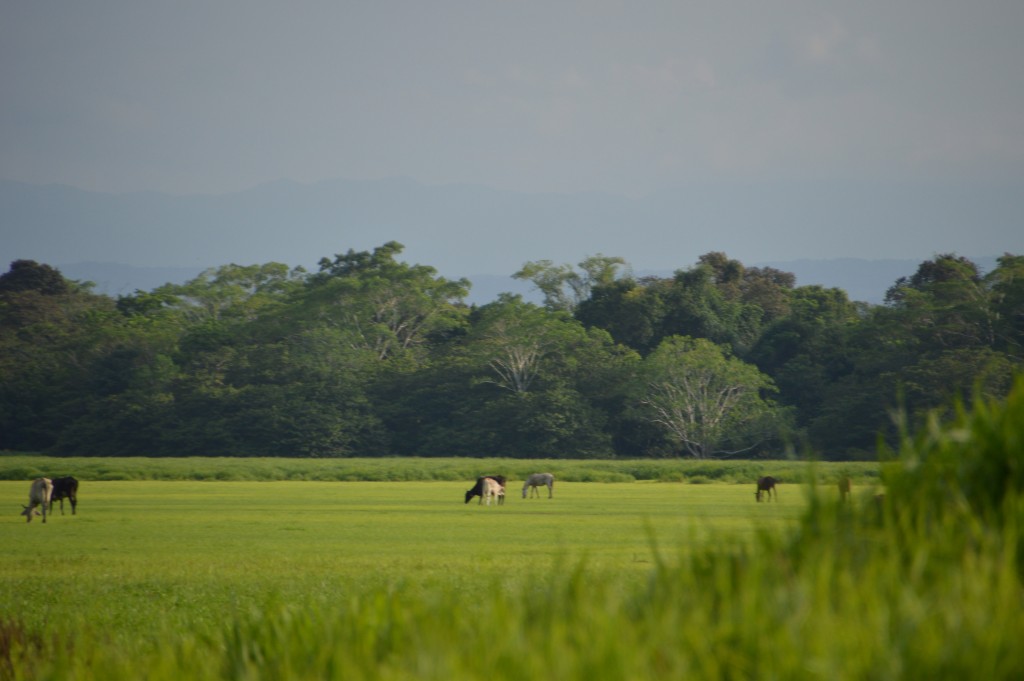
161	539
146	559
308	575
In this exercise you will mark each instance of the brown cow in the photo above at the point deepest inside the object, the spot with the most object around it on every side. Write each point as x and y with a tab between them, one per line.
38	495
844	487
766	485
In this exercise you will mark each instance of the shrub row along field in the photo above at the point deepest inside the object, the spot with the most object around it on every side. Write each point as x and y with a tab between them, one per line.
26	467
395	580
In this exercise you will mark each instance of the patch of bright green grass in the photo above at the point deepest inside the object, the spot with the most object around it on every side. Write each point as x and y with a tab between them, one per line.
142	555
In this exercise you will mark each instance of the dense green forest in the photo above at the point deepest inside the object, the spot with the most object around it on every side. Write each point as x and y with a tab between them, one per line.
372	356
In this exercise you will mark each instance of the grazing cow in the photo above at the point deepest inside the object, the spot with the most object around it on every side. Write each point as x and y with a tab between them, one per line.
766	485
844	488
537	480
38	495
478	488
492	490
64	488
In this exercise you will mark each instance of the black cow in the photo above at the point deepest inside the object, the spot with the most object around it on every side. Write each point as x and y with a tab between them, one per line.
478	488
64	488
766	485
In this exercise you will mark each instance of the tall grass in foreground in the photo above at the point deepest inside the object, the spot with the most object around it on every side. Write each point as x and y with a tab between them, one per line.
924	583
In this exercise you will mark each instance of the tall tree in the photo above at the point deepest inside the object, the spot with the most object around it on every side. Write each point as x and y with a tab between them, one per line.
565	288
937	336
239	292
550	381
28	275
944	305
806	351
385	306
1006	283
52	335
631	310
698	305
515	338
711	404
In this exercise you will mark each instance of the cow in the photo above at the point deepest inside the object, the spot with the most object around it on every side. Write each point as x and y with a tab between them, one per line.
537	480
844	488
38	495
492	490
64	488
478	488
766	485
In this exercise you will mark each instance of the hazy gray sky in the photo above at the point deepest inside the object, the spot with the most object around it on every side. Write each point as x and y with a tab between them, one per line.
624	97
629	98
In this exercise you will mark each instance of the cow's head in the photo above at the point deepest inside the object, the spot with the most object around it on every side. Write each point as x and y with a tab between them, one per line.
470	494
27	512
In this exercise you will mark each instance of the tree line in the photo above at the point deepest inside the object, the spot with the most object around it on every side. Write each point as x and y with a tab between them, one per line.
373	356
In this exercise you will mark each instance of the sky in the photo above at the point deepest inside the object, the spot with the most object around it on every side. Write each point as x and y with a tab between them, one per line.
624	98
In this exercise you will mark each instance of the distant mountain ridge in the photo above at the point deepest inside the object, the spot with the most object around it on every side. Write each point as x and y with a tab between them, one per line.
140	240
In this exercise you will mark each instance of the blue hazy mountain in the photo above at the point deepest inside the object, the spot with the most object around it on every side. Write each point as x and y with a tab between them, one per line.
140	240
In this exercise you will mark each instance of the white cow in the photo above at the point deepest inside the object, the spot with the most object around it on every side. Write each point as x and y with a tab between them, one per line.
38	495
537	480
492	489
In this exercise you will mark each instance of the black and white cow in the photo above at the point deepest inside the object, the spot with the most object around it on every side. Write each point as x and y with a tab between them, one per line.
479	488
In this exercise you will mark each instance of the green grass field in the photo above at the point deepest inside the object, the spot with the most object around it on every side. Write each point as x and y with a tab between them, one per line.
144	561
195	570
163	548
